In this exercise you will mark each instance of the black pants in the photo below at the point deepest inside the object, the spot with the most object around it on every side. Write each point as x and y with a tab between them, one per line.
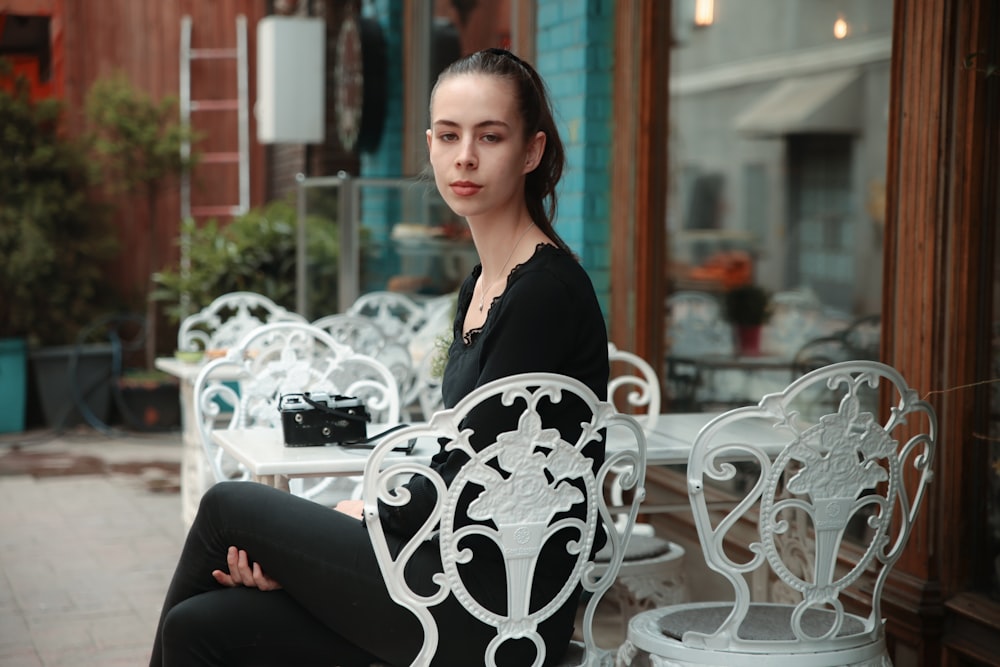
333	610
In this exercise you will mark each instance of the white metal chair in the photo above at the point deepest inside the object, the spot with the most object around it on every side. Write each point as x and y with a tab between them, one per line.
696	325
276	359
430	348
398	315
796	317
428	386
652	573
845	473
532	484
222	323
415	325
864	336
696	328
363	335
439	318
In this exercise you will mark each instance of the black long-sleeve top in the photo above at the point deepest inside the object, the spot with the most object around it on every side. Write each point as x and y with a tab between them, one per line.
548	319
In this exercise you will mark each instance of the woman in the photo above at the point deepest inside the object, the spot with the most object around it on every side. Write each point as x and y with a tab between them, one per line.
266	578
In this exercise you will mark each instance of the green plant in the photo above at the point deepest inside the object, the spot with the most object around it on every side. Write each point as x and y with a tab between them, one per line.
256	252
54	237
747	305
139	146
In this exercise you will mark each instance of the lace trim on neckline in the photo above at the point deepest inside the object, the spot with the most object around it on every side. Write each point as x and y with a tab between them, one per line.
469	336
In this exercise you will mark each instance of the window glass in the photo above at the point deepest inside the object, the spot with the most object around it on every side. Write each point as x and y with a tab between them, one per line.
778	144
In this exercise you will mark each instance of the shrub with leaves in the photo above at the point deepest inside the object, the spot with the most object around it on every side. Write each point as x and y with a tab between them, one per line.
138	144
256	252
54	238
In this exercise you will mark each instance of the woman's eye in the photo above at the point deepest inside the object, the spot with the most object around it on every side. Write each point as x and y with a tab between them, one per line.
491	138
448	136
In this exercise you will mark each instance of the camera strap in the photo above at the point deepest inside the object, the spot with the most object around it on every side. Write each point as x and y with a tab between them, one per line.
340	414
368	442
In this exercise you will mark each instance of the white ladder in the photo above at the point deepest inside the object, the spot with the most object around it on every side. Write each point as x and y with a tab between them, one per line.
240	105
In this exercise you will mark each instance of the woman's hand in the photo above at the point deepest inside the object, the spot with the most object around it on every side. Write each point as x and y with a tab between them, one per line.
355	508
242	573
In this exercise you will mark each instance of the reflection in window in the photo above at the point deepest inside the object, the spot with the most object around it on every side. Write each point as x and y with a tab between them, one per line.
779	134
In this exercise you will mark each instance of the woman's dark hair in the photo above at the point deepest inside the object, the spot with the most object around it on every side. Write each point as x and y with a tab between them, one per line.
536	112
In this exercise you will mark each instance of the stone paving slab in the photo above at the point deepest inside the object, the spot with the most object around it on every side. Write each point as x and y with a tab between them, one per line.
90	530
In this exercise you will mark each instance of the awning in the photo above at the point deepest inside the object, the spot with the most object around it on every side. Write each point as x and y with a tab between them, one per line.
822	103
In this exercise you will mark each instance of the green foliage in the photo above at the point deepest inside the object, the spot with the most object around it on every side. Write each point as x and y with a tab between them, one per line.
137	140
442	345
748	305
53	236
140	146
256	252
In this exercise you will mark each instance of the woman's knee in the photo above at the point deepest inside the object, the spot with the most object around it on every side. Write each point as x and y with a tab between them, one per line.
190	630
221	492
225	495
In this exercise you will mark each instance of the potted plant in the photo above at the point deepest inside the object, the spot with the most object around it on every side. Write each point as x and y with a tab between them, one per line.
54	241
255	252
747	307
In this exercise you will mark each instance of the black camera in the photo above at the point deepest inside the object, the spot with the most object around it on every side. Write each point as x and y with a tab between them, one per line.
314	419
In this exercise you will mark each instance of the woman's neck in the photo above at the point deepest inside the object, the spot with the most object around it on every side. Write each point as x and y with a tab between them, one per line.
498	241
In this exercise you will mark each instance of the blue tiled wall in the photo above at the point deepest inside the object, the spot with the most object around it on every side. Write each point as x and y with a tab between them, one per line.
387	161
574	48
380	207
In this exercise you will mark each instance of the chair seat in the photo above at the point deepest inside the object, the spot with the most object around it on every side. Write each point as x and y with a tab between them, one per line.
651	575
764	622
659	632
639	547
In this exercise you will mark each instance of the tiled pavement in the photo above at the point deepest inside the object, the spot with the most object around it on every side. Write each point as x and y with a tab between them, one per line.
90	529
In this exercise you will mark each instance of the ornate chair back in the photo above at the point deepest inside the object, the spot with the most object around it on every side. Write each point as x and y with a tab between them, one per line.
652	573
696	325
845	477
819	352
222	323
634	387
243	388
533	484
796	317
429	352
864	336
363	335
428	385
397	315
696	329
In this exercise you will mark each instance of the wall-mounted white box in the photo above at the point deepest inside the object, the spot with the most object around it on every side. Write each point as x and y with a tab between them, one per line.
291	80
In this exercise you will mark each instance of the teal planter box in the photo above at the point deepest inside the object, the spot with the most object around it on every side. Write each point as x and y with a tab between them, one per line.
13	384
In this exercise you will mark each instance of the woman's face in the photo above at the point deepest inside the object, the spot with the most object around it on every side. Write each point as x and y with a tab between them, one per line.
477	147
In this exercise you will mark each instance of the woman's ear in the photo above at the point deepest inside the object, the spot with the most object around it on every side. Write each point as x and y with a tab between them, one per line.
428	133
534	152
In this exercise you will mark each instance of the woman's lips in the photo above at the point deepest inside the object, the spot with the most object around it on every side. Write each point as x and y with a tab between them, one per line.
465	188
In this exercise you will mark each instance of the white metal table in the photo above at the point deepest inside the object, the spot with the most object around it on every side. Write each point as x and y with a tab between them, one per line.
263	452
